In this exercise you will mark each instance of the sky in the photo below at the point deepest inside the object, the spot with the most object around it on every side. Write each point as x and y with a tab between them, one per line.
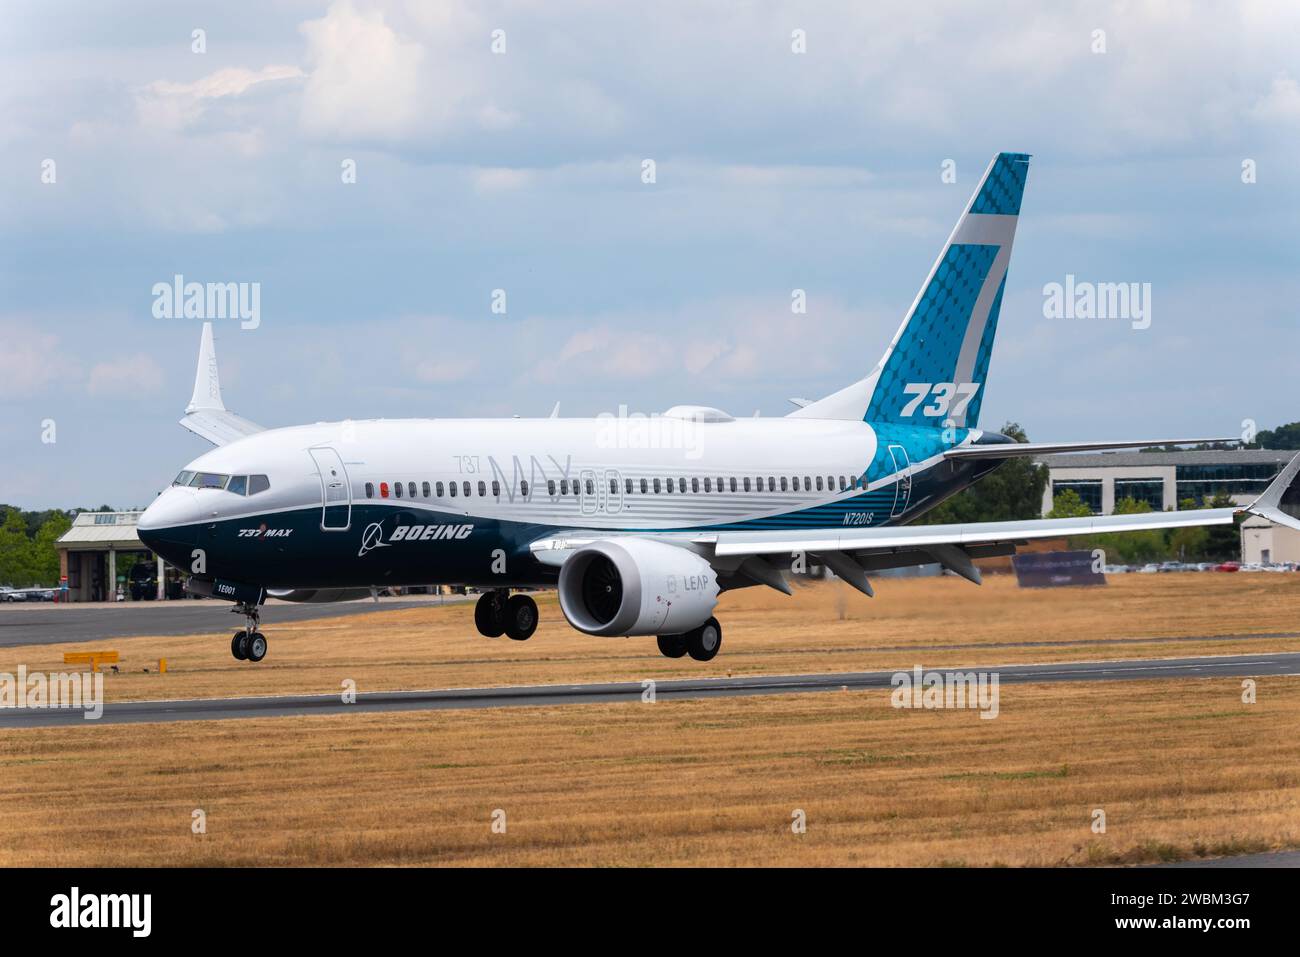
503	146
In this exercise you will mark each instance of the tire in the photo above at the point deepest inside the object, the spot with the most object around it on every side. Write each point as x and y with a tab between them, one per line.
520	617
255	646
488	616
703	643
237	646
672	646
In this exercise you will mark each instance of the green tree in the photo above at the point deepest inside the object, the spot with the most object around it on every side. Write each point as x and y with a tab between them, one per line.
17	554
1223	542
1067	504
1013	491
1283	437
1128	547
45	557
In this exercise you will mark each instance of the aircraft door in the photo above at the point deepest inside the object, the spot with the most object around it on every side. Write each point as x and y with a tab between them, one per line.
336	490
903	486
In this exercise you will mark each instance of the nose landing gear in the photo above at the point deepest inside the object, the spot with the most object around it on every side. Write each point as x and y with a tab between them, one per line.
248	644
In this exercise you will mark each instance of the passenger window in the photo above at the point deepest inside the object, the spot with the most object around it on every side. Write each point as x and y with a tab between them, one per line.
424	487
564	486
440	489
785	484
708	484
695	484
383	490
410	488
807	484
591	487
746	483
771	484
656	486
523	487
627	486
451	487
239	485
258	483
681	485
819	483
843	484
550	487
370	490
733	483
397	489
496	488
644	486
464	487
668	484
482	489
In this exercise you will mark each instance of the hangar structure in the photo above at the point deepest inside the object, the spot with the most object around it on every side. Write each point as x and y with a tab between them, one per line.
1164	479
89	555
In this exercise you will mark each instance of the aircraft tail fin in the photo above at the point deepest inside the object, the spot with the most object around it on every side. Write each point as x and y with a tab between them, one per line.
935	369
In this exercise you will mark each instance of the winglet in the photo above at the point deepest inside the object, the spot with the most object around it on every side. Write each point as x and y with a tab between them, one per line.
1280	502
207	383
206	415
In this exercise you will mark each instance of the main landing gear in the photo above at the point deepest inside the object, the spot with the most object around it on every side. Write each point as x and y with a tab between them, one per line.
248	644
498	612
701	643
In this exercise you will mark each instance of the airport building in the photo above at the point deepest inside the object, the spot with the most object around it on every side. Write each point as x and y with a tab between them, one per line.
1163	479
89	555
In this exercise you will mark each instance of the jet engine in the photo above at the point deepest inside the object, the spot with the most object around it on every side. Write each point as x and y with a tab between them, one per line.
635	586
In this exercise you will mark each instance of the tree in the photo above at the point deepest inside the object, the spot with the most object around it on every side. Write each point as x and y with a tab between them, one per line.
1067	504
1283	437
1013	491
17	553
1130	547
45	557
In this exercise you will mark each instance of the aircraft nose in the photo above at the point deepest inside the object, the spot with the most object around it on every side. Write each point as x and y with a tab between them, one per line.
168	525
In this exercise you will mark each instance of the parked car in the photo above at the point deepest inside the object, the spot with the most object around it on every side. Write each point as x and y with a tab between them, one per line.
8	594
1228	567
1149	569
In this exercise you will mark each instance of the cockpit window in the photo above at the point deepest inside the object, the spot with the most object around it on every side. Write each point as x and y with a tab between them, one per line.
258	483
209	480
183	478
238	484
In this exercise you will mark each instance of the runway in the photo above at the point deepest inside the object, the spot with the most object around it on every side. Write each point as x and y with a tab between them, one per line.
206	709
47	624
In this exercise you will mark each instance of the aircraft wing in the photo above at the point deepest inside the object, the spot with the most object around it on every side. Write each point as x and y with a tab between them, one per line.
1004	450
206	415
758	557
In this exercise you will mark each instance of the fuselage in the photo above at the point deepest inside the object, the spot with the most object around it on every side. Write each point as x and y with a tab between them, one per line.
459	501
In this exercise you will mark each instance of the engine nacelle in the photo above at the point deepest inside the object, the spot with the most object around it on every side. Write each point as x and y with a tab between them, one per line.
633	586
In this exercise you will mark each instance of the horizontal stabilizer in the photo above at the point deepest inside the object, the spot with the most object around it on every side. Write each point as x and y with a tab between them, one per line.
1007	450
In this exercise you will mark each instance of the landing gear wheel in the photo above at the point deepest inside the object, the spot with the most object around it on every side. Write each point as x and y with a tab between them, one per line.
703	643
672	646
255	646
520	617
237	646
490	614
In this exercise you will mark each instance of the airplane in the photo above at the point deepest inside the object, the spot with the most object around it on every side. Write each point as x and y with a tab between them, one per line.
638	523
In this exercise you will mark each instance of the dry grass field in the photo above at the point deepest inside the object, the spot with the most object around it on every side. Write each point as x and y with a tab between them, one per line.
823	627
1181	768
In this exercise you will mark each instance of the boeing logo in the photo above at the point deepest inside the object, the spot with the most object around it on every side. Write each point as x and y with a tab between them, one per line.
372	538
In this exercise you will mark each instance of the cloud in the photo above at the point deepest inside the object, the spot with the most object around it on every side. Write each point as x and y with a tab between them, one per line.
170	105
125	377
365	80
31	362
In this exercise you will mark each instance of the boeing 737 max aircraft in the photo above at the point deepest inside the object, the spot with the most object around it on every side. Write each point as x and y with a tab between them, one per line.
639	537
